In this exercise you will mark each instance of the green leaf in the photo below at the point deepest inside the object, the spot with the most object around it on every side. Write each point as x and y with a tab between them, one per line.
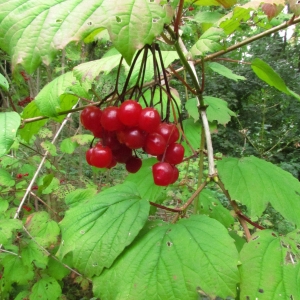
6	179
15	270
144	181
209	205
224	71
31	252
78	196
192	132
7	228
44	230
275	278
46	288
218	110
209	42
174	261
9	124
98	230
207	17
268	75
56	269
192	108
4	83
4	204
48	146
44	27
69	145
54	98
255	183
30	129
23	295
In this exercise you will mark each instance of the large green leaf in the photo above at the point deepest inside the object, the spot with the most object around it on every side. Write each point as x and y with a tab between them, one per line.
224	71
7	227
33	31
44	230
209	205
255	183
270	267
174	261
98	230
210	41
9	124
56	96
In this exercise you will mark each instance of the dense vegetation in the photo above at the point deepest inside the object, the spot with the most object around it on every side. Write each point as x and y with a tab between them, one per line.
226	74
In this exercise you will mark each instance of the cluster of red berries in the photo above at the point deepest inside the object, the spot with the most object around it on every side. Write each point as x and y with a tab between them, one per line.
130	127
19	176
25	101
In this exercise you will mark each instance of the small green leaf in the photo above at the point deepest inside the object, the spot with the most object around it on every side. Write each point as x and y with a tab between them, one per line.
275	278
192	108
224	71
23	295
207	17
9	124
209	205
31	252
6	179
268	75
98	230
174	261
7	228
48	146
210	41
46	288
44	230
69	145
144	181
15	270
218	110
4	83
192	132
255	183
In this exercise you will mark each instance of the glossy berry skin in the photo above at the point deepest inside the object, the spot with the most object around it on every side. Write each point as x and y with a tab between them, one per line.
110	119
101	156
134	138
88	156
175	175
162	173
90	118
174	154
110	140
149	119
168	131
155	144
129	113
133	164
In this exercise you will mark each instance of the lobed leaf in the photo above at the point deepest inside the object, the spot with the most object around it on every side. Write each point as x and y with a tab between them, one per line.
6	179
255	183
9	124
7	228
98	230
45	289
174	261
270	267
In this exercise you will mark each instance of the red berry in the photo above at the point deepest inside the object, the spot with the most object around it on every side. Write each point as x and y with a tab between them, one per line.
129	113
101	156
90	118
133	164
35	187
113	163
149	119
162	173
27	208
155	144
134	138
168	131
174	154
26	174
110	140
191	8
110	120
19	176
122	154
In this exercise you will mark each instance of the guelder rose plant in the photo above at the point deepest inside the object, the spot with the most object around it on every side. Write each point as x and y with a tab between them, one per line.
208	247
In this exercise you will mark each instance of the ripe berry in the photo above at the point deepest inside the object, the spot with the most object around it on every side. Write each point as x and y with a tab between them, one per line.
110	140
122	154
19	176
155	144
129	113
88	156
174	154
90	118
175	175
168	131
162	173
134	138
101	156
133	164
149	119
110	120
